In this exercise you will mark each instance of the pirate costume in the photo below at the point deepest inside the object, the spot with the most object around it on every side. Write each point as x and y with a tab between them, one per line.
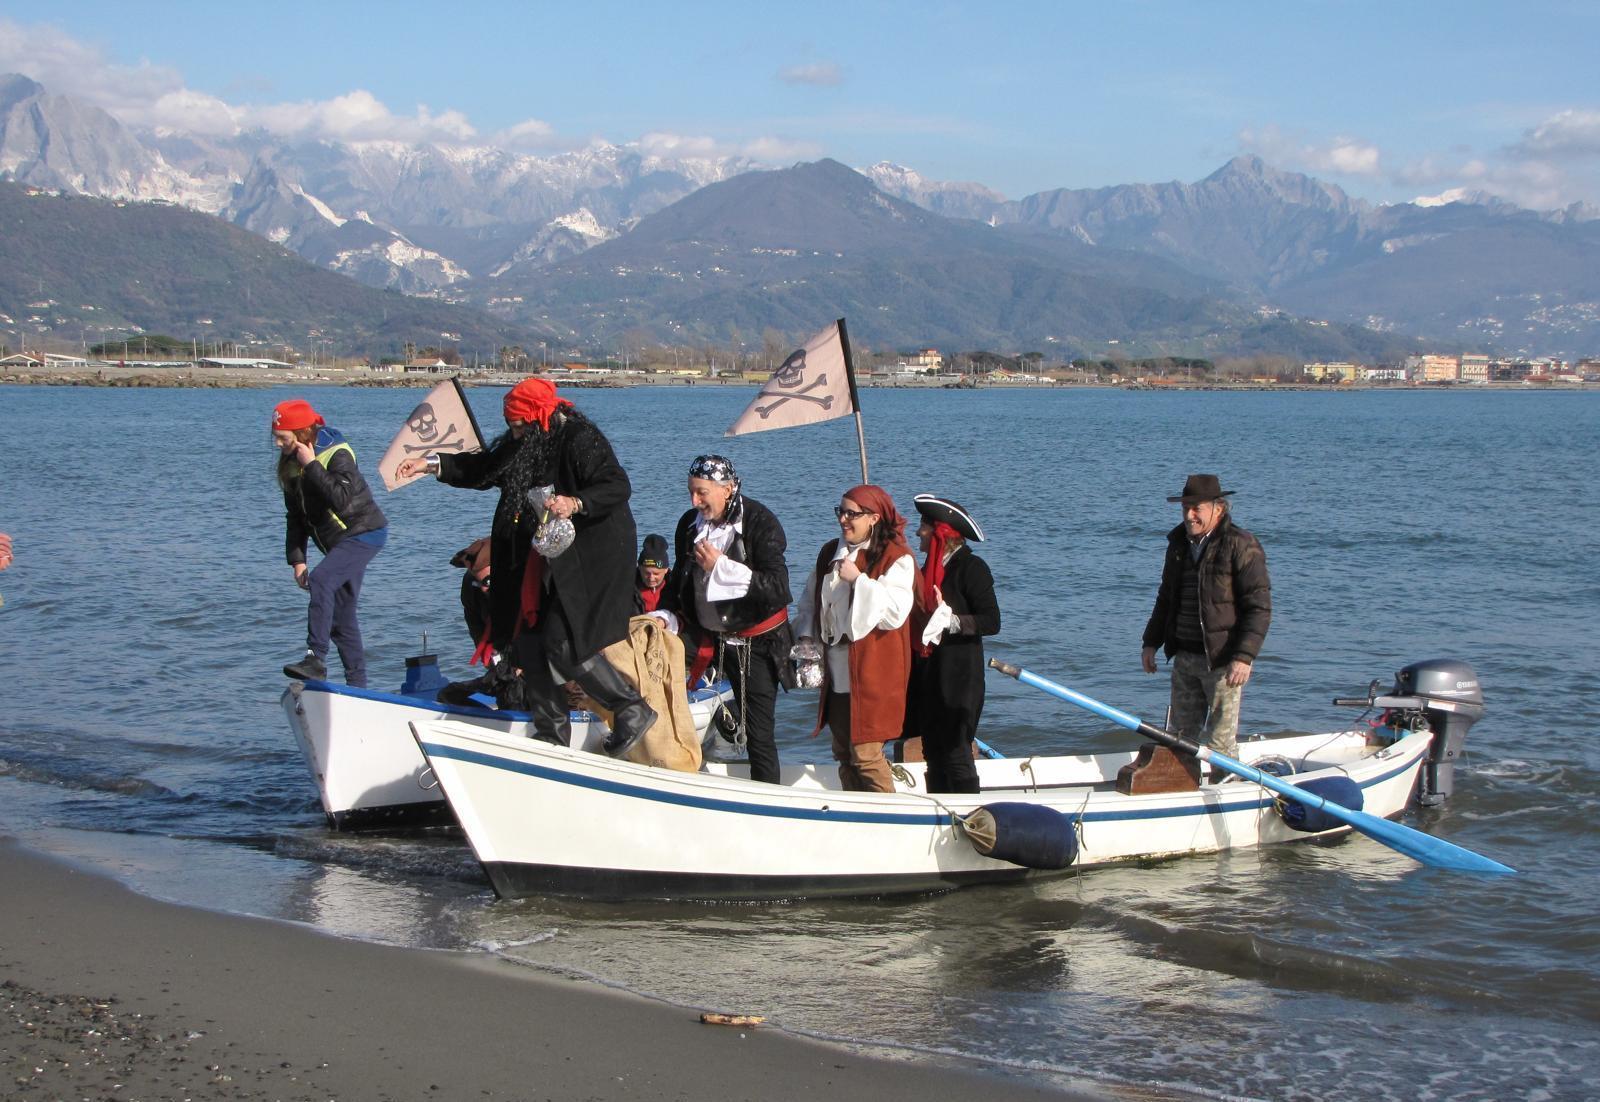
736	617
956	608
864	626
555	607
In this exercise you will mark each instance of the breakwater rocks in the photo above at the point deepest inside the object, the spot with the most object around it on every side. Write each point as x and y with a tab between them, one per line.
204	379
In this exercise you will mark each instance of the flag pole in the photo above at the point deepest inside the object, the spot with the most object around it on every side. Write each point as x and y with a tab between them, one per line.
461	392
855	399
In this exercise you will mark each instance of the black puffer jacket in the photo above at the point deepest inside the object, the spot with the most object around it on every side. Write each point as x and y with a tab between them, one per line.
760	546
327	499
1235	595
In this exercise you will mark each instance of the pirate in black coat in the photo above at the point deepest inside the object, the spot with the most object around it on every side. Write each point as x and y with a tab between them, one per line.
956	608
561	594
729	597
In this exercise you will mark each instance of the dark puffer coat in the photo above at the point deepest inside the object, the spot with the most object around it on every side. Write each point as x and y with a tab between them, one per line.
1235	595
594	577
327	500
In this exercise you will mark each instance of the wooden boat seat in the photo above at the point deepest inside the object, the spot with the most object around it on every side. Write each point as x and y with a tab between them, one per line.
1158	769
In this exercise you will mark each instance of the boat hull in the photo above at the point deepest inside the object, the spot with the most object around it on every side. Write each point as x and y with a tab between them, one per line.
549	820
369	773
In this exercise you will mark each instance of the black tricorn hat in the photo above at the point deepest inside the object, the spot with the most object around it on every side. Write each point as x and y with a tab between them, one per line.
654	552
937	508
1201	487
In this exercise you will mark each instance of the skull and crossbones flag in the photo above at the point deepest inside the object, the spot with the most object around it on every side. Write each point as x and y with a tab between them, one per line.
442	422
814	384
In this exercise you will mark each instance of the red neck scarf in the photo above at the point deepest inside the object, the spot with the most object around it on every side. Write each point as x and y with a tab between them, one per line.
928	583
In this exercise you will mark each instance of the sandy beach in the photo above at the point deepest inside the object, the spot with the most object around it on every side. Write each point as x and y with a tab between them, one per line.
106	994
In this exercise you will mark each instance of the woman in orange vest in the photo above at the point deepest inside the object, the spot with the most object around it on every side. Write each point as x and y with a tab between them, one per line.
858	602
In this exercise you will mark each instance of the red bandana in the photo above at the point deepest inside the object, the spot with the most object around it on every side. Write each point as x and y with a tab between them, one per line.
928	583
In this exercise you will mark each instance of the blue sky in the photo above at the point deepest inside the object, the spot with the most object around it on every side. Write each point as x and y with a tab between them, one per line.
1389	100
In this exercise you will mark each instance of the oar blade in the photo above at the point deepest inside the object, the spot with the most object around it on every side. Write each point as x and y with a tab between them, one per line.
1413	843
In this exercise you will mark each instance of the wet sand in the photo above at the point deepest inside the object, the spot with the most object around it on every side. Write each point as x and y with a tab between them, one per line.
106	994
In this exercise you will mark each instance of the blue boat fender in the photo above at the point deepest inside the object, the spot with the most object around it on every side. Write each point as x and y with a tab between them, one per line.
1029	835
1313	820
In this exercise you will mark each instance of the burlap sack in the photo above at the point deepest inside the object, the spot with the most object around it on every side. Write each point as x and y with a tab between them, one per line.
653	659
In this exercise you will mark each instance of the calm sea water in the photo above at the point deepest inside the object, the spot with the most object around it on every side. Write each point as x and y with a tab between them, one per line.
149	611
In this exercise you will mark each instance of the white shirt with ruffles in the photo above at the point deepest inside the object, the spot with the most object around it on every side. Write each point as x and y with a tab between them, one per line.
849	612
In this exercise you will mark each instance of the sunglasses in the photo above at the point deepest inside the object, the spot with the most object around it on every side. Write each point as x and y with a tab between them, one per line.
850	514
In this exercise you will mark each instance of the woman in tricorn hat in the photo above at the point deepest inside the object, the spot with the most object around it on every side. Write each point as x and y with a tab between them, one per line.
956	608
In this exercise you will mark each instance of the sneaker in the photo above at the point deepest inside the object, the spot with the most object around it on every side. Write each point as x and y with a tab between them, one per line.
309	668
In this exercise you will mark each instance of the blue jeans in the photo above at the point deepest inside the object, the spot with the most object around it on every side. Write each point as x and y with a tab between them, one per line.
335	588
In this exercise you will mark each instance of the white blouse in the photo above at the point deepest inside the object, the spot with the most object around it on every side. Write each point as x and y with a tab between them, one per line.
849	612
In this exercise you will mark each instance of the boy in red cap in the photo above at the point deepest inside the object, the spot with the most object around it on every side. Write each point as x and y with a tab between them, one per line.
326	500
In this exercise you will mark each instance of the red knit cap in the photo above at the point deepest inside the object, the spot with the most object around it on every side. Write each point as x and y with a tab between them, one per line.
294	414
532	401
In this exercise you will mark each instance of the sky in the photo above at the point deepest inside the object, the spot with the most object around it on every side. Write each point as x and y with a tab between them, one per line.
1390	100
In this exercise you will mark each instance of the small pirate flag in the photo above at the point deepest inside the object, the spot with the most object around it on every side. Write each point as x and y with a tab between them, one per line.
814	384
442	422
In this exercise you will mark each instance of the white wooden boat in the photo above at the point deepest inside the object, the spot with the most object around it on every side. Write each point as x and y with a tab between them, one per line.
552	820
369	773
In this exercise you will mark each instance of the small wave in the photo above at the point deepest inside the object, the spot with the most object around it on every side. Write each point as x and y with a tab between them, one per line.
499	947
388	855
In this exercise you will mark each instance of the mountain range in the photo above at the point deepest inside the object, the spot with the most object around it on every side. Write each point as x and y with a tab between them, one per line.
609	240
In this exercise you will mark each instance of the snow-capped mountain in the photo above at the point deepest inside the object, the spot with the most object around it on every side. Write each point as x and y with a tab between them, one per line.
416	218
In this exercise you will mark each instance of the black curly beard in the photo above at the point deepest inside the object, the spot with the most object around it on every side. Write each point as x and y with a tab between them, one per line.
529	462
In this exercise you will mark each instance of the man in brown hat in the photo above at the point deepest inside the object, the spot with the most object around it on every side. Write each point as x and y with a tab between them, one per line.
1211	615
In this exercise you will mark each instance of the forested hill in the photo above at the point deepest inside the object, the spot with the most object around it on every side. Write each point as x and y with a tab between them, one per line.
93	269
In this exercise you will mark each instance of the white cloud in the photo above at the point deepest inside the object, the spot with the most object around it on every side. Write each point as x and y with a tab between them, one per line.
1572	133
1542	171
527	136
818	74
65	65
1340	156
155	96
766	149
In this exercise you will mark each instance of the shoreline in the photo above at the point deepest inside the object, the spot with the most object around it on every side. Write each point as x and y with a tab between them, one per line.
230	378
112	995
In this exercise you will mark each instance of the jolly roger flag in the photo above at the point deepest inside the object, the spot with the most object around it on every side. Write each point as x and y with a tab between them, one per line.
442	422
814	384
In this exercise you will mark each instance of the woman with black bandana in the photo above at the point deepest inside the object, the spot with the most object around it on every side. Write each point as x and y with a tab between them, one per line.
555	607
728	596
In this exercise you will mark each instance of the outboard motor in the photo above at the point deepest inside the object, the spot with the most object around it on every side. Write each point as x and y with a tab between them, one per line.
1451	700
1442	694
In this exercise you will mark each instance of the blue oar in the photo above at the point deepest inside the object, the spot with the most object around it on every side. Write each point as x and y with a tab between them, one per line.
1413	843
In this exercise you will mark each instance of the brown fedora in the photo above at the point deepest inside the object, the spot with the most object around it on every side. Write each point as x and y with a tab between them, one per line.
1201	487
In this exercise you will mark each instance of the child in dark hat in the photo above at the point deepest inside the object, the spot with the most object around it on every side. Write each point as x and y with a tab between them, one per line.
955	609
653	567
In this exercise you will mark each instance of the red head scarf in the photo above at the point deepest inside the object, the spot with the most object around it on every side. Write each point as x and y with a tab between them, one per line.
532	401
875	500
293	415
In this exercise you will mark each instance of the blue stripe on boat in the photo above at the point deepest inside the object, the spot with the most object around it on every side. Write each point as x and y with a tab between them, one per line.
706	803
423	703
711	803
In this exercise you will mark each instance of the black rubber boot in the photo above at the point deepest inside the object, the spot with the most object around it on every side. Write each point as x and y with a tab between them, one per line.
631	717
543	697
